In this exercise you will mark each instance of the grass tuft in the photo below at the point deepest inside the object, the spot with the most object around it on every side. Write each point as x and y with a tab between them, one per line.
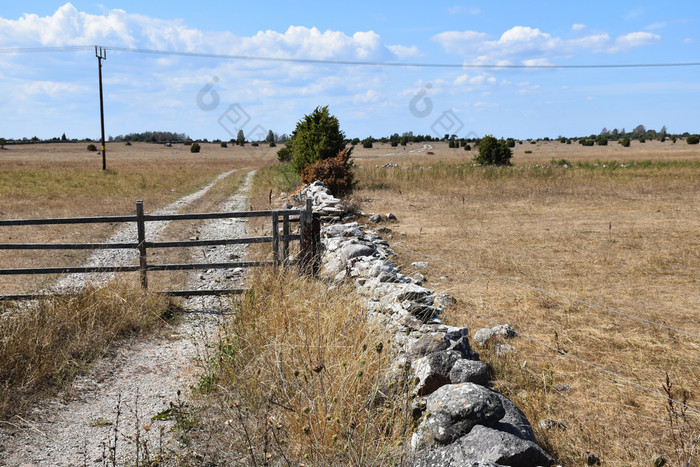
44	345
300	376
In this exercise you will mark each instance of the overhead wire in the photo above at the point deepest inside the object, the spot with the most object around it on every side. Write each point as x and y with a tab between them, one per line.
19	50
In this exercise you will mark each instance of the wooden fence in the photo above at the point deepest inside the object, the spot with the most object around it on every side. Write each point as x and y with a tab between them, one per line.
308	236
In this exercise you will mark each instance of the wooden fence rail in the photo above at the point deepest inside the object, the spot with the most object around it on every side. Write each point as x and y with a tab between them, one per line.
308	237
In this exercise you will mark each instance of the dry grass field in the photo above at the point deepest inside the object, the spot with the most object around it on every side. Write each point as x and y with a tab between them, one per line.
620	235
624	235
65	180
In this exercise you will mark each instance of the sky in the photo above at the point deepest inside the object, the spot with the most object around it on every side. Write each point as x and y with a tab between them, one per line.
45	91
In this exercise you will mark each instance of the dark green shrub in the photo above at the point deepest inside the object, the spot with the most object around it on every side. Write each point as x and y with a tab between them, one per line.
367	144
568	141
601	141
223	144
510	142
533	142
527	151
316	137
451	144
642	139
493	152
272	144
128	143
693	139
674	139
284	155
467	147
625	142
254	143
394	144
586	142
91	147
195	148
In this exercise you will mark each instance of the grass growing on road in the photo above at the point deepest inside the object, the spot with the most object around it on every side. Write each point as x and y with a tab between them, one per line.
45	344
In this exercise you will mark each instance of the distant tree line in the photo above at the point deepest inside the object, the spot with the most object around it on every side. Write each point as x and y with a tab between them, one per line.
152	137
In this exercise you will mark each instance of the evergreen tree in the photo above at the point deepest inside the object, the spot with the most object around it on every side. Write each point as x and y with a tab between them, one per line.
316	137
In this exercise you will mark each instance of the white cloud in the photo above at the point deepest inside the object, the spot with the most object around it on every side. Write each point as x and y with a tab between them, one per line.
532	46
460	10
688	40
578	27
461	42
68	26
537	62
402	51
52	88
370	96
633	39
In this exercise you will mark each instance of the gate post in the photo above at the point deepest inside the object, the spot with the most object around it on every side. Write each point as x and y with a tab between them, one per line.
306	234
141	239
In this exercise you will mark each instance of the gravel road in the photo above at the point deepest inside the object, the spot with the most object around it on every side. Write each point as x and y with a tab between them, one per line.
141	376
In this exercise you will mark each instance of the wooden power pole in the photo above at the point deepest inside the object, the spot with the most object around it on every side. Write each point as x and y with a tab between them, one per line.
101	54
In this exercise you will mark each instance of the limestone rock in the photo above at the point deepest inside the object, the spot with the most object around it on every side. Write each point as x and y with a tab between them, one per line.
469	371
427	344
433	371
514	421
483	336
486	446
454	410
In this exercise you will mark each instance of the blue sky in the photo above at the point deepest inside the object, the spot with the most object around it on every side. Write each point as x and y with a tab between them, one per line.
46	94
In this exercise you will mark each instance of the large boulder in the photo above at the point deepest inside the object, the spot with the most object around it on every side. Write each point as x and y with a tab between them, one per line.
453	410
486	446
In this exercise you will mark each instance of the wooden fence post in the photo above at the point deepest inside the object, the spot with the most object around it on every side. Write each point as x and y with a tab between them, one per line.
285	240
275	238
306	241
141	233
316	242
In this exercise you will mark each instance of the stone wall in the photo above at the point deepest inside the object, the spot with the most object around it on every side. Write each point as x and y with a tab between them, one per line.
461	420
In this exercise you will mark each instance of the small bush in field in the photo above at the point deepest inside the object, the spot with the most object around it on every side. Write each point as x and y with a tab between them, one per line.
693	139
92	147
195	148
272	144
625	142
223	144
284	155
334	172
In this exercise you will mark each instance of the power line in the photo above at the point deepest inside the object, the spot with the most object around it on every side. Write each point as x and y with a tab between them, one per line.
592	365
346	62
27	50
505	279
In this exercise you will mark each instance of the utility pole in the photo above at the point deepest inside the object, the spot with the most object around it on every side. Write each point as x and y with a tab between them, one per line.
101	54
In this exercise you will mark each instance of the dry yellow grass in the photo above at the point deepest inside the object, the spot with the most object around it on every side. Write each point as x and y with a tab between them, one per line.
299	375
44	344
628	239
